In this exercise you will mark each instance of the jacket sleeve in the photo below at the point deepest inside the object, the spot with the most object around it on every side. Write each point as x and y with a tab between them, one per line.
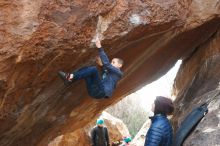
106	63
93	136
107	137
153	137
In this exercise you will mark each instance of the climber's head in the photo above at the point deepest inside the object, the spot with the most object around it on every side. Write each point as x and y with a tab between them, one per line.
117	62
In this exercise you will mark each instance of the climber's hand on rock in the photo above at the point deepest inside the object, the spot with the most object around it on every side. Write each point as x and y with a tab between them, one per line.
98	43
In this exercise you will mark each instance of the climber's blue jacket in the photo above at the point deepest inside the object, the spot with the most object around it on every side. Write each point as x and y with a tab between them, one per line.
111	75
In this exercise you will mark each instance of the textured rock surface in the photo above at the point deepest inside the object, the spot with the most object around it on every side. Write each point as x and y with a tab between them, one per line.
202	84
117	129
81	137
38	38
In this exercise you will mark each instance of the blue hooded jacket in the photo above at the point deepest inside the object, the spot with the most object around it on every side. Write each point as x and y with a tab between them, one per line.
160	132
111	74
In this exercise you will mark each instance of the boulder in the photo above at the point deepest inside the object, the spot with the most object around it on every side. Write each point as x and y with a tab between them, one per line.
39	38
81	137
198	82
139	139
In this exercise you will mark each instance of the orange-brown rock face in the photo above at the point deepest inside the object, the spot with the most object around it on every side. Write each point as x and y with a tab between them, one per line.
198	82
38	38
81	137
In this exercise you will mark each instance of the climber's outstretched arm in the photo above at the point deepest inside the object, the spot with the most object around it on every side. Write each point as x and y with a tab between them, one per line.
102	54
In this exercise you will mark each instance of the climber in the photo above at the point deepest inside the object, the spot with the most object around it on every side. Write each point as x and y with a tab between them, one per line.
97	87
99	134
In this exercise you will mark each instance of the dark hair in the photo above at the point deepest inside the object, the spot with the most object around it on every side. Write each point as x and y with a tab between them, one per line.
120	61
163	105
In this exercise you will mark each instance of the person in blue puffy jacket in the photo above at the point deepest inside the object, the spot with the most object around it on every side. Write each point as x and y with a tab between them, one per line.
97	86
160	132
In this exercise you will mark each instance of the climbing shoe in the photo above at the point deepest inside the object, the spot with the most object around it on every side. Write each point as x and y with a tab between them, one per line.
65	77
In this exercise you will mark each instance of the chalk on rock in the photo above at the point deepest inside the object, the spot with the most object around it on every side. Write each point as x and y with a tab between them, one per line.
83	50
135	19
94	38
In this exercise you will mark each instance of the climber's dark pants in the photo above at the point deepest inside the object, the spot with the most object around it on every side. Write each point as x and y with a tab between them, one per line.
93	82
